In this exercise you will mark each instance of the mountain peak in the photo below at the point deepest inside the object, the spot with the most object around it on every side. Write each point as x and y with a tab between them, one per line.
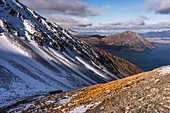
125	41
130	32
128	40
37	56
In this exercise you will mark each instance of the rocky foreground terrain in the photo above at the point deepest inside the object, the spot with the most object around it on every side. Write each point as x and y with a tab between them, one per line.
147	92
126	41
150	95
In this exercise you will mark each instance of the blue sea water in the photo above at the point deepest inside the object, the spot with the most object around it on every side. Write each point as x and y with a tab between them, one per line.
149	59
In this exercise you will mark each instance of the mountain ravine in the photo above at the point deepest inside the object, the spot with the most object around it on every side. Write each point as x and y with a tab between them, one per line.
37	56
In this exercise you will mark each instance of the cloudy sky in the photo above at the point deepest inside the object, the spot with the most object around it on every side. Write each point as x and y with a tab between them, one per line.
105	16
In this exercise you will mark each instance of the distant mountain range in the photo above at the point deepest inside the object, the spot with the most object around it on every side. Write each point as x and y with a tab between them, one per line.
126	41
161	34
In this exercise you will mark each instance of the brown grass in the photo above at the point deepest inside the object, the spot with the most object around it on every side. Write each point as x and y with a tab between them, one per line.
88	93
84	95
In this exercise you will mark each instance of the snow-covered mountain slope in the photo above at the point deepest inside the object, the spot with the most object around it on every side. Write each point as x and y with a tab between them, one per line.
37	56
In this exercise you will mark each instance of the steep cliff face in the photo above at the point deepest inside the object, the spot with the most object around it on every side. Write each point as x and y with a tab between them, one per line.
126	41
37	56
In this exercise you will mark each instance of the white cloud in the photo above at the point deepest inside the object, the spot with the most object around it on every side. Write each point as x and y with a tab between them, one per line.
69	21
66	7
158	6
136	25
139	21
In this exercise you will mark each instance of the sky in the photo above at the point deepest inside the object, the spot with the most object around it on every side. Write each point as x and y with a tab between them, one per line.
105	17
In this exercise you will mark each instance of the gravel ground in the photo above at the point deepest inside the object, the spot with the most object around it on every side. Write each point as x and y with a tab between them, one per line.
151	95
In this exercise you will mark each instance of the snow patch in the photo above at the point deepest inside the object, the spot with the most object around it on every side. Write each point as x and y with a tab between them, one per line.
83	108
92	68
64	101
164	71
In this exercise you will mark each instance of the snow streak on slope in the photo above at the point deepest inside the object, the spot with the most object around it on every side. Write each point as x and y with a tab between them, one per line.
25	75
37	56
